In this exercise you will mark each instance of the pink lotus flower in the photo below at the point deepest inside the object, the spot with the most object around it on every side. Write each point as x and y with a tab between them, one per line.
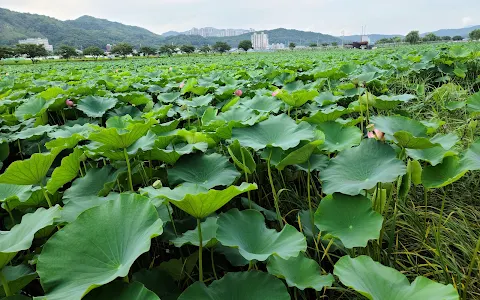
376	134
181	85
69	103
238	93
371	135
274	94
170	69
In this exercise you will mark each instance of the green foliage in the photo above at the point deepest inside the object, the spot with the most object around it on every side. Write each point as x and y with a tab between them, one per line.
167	49
413	37
457	38
146	50
93	51
205	49
6	52
31	51
475	35
245	45
292	45
188	49
122	49
66	51
221	47
431	37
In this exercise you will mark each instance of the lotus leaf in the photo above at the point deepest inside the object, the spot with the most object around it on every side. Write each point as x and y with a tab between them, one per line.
122	291
96	107
338	137
209	232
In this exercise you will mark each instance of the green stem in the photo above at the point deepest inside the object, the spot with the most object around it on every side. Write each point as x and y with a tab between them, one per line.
275	199
129	169
200	263
246	178
425	199
213	265
4	282
7	208
46	195
470	269
310	200
20	149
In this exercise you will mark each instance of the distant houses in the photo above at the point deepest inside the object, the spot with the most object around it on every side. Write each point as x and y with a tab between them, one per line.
38	41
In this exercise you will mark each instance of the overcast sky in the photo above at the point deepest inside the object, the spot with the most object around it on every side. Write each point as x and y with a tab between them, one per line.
325	16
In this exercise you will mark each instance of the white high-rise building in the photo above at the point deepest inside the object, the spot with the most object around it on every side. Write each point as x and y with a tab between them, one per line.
38	41
260	41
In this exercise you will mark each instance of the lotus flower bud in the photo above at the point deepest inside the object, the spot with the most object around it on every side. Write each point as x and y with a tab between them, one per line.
370	135
69	103
380	135
157	184
181	85
170	69
274	94
238	93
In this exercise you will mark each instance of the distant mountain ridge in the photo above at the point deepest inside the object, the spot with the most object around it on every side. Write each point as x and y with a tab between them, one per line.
90	31
453	32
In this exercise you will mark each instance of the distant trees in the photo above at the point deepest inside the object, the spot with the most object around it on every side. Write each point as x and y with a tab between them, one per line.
323	44
6	52
292	46
413	37
146	50
334	44
458	38
205	49
446	38
221	47
188	49
245	45
122	49
431	37
66	52
93	51
475	35
167	49
32	51
395	39
312	45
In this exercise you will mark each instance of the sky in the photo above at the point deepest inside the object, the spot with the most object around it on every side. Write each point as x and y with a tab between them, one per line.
324	16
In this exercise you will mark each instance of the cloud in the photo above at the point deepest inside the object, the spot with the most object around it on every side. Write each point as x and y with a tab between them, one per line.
467	21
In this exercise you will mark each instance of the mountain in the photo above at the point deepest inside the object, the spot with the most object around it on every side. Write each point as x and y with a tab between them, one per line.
453	32
373	37
171	33
82	32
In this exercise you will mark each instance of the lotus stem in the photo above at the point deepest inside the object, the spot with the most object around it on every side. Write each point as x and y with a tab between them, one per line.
213	264
7	208
310	201
20	149
275	199
246	178
129	169
4	282
46	195
470	268
200	264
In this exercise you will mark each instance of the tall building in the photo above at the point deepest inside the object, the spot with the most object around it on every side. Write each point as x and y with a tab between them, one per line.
210	31
38	41
260	41
108	48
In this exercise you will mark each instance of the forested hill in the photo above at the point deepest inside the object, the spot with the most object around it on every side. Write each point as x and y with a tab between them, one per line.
89	31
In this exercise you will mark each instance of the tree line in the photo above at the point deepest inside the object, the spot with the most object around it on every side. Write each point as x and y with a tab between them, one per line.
413	37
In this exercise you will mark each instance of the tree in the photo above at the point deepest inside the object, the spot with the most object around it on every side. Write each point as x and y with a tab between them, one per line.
245	45
325	44
334	44
93	51
458	38
167	49
292	46
32	51
446	38
66	51
6	52
431	37
221	47
413	37
187	49
122	49
148	50
205	49
312	45
475	35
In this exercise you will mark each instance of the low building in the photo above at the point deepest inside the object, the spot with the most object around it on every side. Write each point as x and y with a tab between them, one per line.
38	41
277	46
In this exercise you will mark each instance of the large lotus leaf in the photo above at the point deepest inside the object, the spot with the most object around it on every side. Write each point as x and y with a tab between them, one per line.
205	170
68	131
66	172
32	132
197	200
96	182
279	131
326	98
159	282
198	101
29	171
473	104
196	137
433	155
338	137
447	141
361	168
471	159
378	282
242	157
316	162
405	139
392	124
13	191
263	104
249	204
20	237
253	285
389	102
209	233
246	231
168	97
238	116
299	272
328	113
297	155
119	290
96	107
135	98
31	108
297	98
122	132
449	171
119	232
172	153
17	277
349	218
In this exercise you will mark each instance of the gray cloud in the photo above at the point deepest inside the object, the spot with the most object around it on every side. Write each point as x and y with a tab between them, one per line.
326	16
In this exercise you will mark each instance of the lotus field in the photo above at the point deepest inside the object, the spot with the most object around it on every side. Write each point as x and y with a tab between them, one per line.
335	174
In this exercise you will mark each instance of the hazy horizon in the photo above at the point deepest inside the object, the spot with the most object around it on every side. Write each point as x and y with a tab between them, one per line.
324	16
